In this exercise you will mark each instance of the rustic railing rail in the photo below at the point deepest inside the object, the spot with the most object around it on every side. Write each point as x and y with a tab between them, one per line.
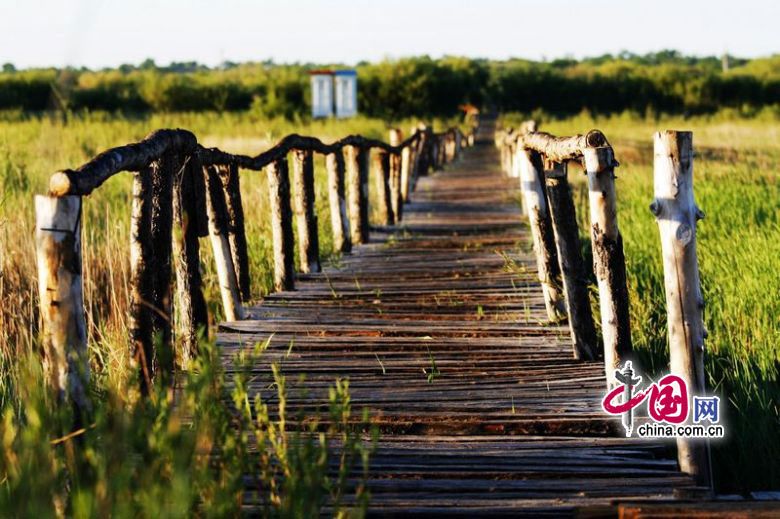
183	192
540	160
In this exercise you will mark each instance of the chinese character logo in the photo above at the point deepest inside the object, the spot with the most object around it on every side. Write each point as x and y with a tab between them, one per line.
667	399
706	408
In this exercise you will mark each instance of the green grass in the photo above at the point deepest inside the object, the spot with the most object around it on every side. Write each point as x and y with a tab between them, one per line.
738	243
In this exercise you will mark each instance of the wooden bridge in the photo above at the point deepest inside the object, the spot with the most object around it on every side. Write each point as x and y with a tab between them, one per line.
439	324
441	320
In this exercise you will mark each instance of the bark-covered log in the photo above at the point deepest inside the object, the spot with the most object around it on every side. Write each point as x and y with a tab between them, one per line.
305	215
167	168
339	217
132	157
542	233
142	278
422	154
60	289
406	170
219	225
609	261
281	225
381	168
357	192
396	199
190	305
403	169
297	142
676	214
136	156
236	229
561	149
572	266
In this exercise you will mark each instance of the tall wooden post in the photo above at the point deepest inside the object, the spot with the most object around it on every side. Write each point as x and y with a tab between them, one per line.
513	166
434	153
381	167
406	166
403	163
422	155
396	199
609	261
573	273
218	217
357	192
235	227
141	269
281	225
339	219
191	312
542	232
58	244
164	172
305	214
408	162
676	214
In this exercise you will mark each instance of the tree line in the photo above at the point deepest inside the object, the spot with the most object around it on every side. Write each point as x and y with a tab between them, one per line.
663	82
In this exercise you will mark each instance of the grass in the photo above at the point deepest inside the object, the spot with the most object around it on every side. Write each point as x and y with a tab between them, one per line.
153	458
738	243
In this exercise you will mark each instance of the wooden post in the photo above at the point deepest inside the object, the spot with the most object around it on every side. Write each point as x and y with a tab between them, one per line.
434	153
509	168
216	208
141	268
406	171
305	214
408	174
381	167
281	225
542	233
58	244
166	169
357	192
339	219
191	312
422	155
609	262
676	214
404	165
235	226
395	187
572	266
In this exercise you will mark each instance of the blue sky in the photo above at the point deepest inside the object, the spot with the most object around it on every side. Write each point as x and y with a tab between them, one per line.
98	33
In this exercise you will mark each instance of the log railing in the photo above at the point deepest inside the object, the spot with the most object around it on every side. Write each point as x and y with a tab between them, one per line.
541	160
183	192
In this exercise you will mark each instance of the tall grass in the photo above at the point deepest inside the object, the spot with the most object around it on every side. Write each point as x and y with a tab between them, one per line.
157	457
736	184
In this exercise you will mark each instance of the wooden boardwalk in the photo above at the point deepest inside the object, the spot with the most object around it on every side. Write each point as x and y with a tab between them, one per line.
439	325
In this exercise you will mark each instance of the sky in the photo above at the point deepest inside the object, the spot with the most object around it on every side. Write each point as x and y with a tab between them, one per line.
103	33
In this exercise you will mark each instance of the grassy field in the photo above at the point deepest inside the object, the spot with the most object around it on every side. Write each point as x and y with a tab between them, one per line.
739	246
736	184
